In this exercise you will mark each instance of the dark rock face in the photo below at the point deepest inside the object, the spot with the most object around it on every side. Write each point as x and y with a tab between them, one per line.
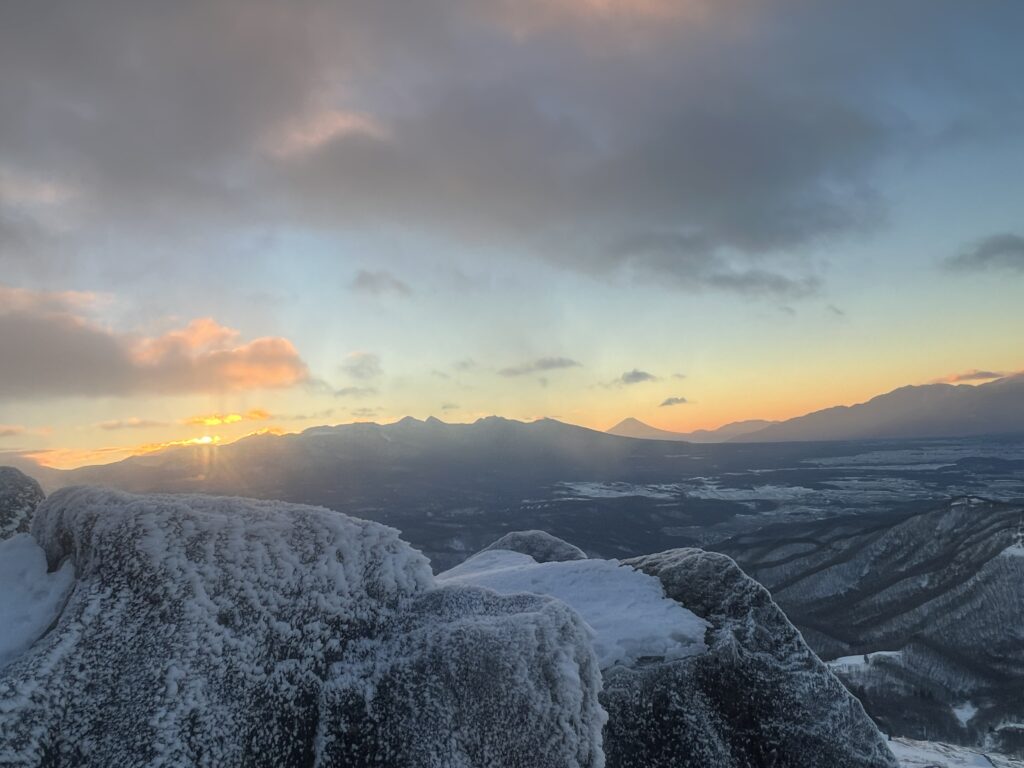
540	545
19	497
758	697
219	631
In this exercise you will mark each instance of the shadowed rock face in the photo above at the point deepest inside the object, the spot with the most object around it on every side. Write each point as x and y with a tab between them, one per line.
540	545
219	631
19	497
758	697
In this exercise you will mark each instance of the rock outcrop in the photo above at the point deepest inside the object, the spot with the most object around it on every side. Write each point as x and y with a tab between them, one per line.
540	545
221	631
731	684
19	497
758	696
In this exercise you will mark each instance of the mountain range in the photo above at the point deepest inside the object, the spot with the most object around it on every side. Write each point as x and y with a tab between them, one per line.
920	411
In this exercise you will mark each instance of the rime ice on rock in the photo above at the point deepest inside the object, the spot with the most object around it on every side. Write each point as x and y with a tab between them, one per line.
19	497
221	631
758	697
540	545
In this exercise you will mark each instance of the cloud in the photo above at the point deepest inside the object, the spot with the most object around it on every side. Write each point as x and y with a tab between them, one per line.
217	419
51	348
130	423
541	364
678	375
305	134
449	406
462	366
362	366
1002	252
379	283
11	430
364	413
355	392
636	376
313	416
972	375
736	133
669	401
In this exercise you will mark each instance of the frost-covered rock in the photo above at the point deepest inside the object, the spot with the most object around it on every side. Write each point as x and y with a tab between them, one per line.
221	631
469	679
758	696
19	497
540	545
700	667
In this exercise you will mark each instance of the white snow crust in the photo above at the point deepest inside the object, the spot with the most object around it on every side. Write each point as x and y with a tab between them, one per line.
626	610
30	598
930	754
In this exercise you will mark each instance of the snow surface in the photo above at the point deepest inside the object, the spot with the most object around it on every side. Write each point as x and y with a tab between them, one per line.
929	754
626	610
965	712
1014	550
31	598
851	663
618	490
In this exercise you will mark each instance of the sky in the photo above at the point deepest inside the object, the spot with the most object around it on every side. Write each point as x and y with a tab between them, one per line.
230	216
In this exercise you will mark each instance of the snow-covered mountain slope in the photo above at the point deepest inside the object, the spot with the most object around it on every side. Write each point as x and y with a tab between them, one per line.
745	691
925	617
221	631
19	497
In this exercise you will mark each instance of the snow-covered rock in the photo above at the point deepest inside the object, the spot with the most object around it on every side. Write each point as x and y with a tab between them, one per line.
221	631
700	667
540	545
758	696
19	497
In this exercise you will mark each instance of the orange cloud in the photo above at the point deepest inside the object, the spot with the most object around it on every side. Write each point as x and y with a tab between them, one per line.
973	375
216	419
51	348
